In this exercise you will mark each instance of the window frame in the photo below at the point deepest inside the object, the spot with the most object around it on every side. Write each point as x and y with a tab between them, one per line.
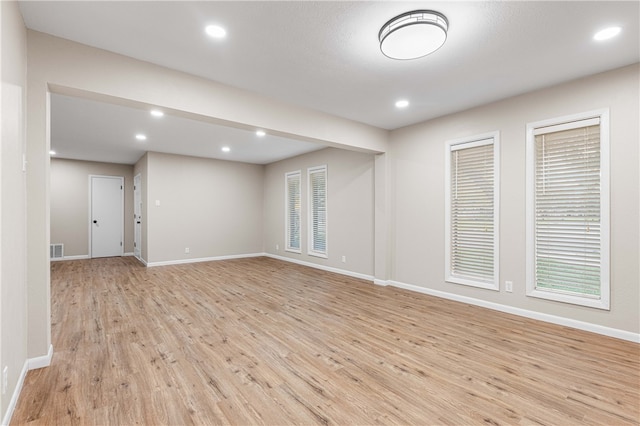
563	123
471	141
311	239
287	212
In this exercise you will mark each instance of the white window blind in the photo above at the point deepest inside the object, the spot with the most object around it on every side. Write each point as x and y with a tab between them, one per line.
292	211
472	219
569	232
318	211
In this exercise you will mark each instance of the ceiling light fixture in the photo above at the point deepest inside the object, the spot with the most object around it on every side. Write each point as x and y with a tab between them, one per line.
215	31
607	33
226	149
157	113
52	152
413	35
141	137
403	103
260	133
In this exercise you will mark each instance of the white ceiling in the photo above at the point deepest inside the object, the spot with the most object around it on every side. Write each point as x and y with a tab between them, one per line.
325	55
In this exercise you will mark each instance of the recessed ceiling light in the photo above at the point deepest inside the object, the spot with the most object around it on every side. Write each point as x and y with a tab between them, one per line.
413	35
607	33
260	133
403	103
215	31
141	137
226	149
157	113
52	152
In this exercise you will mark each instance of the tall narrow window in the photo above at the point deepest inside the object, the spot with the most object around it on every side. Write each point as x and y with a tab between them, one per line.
567	209
471	217
292	211
318	211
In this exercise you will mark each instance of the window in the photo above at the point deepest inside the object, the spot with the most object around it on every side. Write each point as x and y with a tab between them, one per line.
292	211
318	211
568	209
472	197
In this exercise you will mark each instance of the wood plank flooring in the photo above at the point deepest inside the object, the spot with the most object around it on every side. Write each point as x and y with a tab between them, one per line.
260	341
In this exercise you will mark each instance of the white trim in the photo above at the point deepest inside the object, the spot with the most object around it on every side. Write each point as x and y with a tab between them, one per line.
202	259
322	267
490	138
310	240
569	122
40	361
128	254
77	257
553	319
16	395
383	283
296	173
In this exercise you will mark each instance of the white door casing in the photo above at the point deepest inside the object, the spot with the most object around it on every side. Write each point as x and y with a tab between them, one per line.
137	216
106	216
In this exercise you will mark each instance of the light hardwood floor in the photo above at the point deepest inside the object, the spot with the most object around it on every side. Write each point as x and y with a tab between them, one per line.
260	341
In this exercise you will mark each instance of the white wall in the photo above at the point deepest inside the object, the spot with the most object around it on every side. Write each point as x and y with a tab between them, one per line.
349	209
416	161
212	207
70	202
13	281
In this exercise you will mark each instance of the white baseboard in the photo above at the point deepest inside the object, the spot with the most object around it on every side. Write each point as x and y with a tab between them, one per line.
41	361
130	253
322	267
16	394
78	257
567	322
202	259
29	364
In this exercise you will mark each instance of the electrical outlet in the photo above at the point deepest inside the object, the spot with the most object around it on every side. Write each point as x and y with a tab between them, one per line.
157	203
344	259
508	286
186	250
5	379
277	247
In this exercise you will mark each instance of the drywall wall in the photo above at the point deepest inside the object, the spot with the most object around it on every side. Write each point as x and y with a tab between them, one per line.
211	207
13	250
70	203
65	67
350	221
416	181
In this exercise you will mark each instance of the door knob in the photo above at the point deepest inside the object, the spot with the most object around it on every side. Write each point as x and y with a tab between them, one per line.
95	221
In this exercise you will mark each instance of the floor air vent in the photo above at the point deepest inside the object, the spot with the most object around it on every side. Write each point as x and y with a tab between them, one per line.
56	251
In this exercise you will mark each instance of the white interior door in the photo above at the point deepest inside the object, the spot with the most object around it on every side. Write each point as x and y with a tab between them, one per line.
107	216
137	216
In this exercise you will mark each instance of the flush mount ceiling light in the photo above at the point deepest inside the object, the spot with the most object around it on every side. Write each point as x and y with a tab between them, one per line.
413	34
141	137
157	113
226	149
260	133
402	103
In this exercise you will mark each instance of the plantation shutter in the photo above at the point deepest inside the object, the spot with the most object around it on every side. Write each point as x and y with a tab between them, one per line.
472	211
318	225
292	236
567	231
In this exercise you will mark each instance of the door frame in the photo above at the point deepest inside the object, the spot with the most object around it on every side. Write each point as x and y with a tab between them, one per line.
90	221
137	215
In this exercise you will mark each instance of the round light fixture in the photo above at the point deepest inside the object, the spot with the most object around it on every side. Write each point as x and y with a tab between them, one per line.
216	31
260	133
413	34
141	137
402	103
226	149
157	113
52	152
607	33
